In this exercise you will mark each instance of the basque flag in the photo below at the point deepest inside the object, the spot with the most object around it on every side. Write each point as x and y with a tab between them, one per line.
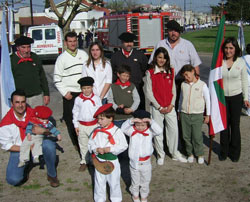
218	121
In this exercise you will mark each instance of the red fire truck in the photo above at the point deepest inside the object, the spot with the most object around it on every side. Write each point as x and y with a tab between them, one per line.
149	28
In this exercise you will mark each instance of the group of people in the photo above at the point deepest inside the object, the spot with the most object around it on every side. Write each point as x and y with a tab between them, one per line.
104	100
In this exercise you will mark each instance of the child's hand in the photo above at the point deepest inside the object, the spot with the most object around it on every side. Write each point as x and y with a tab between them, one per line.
128	110
106	149
29	137
136	120
77	131
146	120
59	137
121	106
206	119
100	150
169	108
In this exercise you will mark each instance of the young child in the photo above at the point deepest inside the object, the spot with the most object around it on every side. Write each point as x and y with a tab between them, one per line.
141	130
194	96
106	143
123	95
161	92
84	108
40	117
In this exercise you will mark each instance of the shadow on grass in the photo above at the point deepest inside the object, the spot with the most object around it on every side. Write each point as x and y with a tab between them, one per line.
205	37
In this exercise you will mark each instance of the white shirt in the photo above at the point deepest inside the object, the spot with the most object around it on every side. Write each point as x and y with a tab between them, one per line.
10	135
183	53
139	145
101	140
100	75
85	110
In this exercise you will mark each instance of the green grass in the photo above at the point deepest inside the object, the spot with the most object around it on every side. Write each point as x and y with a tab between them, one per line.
204	40
33	186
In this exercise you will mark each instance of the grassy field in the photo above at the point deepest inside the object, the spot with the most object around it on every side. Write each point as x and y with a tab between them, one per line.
204	40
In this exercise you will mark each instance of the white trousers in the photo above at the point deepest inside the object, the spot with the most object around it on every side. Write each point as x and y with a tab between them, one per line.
113	179
171	133
83	138
140	179
37	140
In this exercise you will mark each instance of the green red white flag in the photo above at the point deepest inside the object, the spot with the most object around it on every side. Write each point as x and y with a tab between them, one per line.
218	121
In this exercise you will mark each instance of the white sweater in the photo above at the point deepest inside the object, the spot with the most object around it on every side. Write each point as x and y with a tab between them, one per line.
68	70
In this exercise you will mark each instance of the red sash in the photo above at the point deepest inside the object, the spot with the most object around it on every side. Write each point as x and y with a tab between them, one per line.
89	123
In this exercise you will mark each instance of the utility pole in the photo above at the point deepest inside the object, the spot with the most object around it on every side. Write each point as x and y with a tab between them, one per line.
31	13
184	27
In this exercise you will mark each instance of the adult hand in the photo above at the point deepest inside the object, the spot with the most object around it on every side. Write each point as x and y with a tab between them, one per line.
38	130
247	104
121	106
164	110
46	100
59	137
68	96
128	110
169	108
106	149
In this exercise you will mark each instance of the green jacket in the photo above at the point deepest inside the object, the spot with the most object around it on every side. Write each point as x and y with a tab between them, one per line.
29	76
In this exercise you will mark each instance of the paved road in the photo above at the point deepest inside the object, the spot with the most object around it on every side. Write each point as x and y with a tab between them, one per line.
56	99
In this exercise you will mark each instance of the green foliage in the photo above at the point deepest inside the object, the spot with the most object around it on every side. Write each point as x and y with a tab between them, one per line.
204	40
47	4
237	9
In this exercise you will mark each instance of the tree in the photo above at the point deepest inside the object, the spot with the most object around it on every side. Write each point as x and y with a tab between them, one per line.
76	9
237	10
117	5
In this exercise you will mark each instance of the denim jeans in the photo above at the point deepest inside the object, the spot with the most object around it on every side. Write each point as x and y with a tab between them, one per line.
16	175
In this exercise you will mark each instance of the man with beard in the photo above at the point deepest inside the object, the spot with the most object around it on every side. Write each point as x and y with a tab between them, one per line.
29	74
133	58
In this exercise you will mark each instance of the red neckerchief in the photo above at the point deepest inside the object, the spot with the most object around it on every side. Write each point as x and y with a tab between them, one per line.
87	98
35	120
141	132
10	119
126	53
118	82
104	130
22	59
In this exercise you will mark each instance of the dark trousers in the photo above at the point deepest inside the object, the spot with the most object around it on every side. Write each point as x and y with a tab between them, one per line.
68	117
230	141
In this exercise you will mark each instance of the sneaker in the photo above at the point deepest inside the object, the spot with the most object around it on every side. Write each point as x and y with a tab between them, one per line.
190	159
82	167
200	159
160	161
54	182
180	159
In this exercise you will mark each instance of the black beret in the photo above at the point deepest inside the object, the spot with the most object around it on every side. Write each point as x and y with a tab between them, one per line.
127	37
86	81
23	40
173	25
141	114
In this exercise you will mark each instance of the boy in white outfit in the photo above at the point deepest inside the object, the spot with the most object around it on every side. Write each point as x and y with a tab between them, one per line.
141	130
106	143
84	108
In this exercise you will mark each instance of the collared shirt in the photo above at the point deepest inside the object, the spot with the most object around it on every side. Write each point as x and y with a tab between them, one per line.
10	135
101	75
139	145
73	53
183	53
85	110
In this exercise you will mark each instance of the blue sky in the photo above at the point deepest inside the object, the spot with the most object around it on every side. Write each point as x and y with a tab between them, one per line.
196	5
